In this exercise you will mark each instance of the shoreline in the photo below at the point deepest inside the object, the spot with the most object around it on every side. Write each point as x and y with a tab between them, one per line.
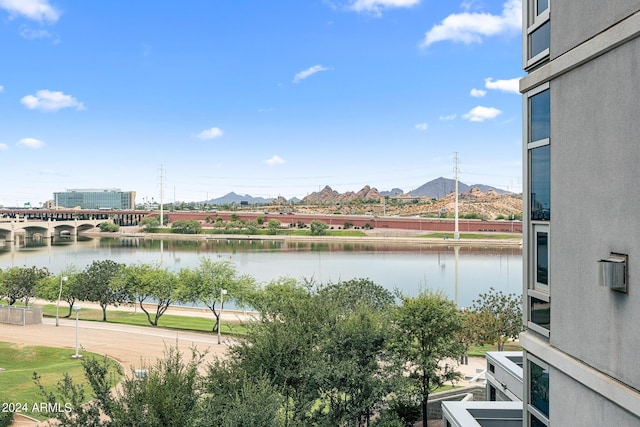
397	236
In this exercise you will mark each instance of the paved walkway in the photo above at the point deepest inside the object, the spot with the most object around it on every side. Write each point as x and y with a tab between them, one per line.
130	345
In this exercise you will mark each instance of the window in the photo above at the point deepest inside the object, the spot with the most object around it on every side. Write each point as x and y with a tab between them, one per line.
492	393
542	258
540	171
541	6
540	312
534	422
539	387
538	40
539	116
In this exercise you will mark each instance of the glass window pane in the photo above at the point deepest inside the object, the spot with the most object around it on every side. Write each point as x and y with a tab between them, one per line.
536	422
540	312
539	388
539	116
540	176
541	6
540	39
542	258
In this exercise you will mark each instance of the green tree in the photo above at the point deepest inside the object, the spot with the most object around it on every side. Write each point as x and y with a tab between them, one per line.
351	376
281	347
351	294
251	227
318	228
166	394
206	283
144	282
497	318
97	284
149	223
426	342
6	419
49	288
108	227
276	296
274	226
322	348
232	398
21	282
186	226
84	411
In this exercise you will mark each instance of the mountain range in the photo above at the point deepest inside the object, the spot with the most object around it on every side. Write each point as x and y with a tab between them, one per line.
436	189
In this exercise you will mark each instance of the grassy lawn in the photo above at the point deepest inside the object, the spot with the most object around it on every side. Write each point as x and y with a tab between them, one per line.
473	236
481	350
20	362
168	321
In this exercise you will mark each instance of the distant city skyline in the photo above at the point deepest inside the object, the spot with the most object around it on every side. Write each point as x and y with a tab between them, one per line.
255	98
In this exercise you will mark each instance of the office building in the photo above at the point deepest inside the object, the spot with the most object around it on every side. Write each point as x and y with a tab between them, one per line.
581	248
111	198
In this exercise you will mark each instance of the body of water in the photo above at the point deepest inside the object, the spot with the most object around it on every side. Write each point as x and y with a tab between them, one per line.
461	272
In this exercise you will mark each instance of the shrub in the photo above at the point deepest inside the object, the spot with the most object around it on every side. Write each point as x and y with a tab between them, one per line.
109	227
318	228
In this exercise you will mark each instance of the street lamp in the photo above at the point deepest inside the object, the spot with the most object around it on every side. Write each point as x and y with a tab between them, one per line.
222	293
76	308
62	279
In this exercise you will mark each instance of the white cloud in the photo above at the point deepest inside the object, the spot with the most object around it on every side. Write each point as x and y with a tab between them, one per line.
470	27
31	34
1	88
3	147
375	7
422	126
510	86
35	10
449	117
478	93
308	72
468	5
480	114
47	100
210	133
275	160
30	143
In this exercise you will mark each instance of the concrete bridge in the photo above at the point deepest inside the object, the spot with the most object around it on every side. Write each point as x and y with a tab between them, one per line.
45	229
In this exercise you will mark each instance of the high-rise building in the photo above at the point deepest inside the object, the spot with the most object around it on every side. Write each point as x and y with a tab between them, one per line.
110	198
581	247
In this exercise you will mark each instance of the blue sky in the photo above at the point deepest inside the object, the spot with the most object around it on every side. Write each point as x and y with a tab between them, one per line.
260	97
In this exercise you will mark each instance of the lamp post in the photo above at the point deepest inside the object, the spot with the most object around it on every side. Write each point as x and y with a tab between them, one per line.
223	292
76	308
62	279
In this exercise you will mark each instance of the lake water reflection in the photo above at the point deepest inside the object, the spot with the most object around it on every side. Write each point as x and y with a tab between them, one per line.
461	272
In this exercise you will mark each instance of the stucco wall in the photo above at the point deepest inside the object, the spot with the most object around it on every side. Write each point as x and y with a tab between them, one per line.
587	408
584	19
595	155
